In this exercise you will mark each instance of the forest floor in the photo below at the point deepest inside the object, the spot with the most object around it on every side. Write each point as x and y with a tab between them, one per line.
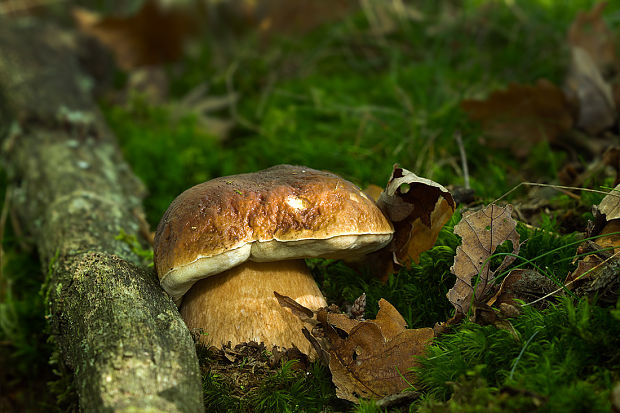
494	100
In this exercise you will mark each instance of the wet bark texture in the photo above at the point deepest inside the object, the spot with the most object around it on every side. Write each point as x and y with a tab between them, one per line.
116	330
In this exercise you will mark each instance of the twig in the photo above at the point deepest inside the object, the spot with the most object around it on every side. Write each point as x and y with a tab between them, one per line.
459	142
569	193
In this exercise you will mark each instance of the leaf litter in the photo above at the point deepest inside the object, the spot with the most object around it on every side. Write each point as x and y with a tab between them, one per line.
417	208
482	232
597	272
372	358
367	359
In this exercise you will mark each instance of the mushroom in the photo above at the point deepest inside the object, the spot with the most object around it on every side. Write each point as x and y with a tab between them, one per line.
235	240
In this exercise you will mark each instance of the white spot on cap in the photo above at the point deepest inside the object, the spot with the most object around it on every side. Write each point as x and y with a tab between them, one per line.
296	203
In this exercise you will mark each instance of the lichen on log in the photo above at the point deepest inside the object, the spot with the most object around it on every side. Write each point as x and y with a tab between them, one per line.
115	328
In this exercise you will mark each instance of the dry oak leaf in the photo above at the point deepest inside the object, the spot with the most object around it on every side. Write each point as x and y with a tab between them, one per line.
368	359
374	359
522	115
154	35
481	232
418	208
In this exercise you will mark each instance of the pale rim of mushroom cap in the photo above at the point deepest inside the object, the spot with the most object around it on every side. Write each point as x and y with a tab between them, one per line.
280	213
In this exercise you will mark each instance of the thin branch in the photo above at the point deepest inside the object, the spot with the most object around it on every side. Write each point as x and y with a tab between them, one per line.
558	187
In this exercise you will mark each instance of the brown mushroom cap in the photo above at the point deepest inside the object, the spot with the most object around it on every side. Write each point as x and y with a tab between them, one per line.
284	212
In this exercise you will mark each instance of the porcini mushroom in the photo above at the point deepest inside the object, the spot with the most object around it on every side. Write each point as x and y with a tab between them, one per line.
235	240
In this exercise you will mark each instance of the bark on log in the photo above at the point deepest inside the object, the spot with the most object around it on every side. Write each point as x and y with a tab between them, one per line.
115	328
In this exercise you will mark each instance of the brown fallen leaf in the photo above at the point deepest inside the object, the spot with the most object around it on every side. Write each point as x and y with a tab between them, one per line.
610	205
610	236
481	232
367	359
522	115
375	359
152	36
597	272
418	208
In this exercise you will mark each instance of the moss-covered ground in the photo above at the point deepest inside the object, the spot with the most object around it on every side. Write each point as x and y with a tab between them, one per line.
345	99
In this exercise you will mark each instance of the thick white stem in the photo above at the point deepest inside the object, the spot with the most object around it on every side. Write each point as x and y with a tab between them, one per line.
239	305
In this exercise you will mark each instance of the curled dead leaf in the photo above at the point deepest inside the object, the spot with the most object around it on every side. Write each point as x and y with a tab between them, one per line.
418	208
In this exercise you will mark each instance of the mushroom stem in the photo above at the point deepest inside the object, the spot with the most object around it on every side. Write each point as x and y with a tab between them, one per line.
239	306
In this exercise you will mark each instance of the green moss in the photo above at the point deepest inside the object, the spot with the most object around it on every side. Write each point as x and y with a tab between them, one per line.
284	389
344	100
290	391
145	254
567	354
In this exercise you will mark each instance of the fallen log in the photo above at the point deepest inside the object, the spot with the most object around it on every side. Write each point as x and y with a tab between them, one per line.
117	332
